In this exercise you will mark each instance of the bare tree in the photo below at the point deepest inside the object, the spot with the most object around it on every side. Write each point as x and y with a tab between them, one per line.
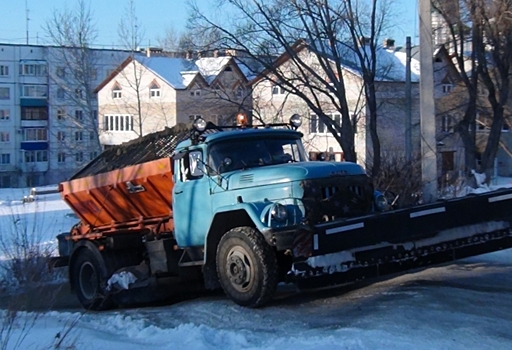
75	74
131	34
331	30
485	30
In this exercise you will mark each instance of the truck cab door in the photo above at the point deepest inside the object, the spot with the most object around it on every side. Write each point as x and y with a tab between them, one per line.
191	201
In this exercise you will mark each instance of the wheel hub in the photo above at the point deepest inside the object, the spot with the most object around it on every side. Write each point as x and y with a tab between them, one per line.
239	269
88	280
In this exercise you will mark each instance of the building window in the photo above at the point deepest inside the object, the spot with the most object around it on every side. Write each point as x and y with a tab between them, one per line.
37	91
6	158
118	122
4	114
61	114
317	125
277	90
60	72
79	93
35	135
92	136
193	117
93	155
154	90
79	115
61	135
60	93
239	93
196	92
61	157
4	93
33	69
36	156
79	135
93	74
79	156
34	113
116	91
447	88
446	124
4	70
4	136
94	115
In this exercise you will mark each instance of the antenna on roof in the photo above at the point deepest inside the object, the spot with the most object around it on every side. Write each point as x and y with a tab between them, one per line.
26	18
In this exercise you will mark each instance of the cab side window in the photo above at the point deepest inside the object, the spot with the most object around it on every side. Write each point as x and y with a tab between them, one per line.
191	166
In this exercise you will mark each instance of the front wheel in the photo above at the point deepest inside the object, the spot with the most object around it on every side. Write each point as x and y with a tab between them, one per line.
247	267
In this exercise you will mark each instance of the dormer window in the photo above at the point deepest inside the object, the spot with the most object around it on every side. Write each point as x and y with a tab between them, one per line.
447	88
195	92
239	92
154	90
277	90
116	91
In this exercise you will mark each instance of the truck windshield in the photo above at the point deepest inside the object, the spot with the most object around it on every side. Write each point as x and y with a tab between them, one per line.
248	153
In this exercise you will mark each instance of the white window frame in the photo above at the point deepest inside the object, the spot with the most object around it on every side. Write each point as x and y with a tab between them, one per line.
116	94
5	114
79	157
35	134
60	72
277	90
5	136
79	114
61	135
34	91
446	124
124	120
61	157
33	69
4	71
447	88
319	125
5	93
154	93
79	135
35	156
5	158
61	114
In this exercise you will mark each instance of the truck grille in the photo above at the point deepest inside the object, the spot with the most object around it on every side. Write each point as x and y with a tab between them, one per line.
338	197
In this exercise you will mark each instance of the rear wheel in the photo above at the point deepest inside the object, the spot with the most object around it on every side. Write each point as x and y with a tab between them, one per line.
89	280
247	267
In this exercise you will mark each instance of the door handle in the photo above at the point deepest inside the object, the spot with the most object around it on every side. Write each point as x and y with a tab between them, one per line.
178	192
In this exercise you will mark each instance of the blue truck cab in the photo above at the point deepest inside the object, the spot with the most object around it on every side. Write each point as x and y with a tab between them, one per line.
247	201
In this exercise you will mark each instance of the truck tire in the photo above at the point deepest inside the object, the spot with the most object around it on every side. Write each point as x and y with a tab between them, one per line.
90	282
247	267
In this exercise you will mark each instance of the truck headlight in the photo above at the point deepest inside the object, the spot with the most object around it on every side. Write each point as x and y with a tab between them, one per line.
279	212
381	202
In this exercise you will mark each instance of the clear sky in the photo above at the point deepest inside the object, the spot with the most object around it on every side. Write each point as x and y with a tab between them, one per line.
156	16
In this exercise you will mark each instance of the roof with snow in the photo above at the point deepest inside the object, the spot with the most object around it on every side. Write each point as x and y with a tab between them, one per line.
180	72
390	63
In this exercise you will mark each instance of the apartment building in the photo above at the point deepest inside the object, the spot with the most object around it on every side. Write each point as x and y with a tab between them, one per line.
48	111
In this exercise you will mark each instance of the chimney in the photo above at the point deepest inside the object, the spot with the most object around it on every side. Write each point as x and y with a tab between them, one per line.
215	53
389	43
148	52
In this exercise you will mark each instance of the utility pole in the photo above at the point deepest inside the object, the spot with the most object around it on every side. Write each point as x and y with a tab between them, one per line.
427	106
408	137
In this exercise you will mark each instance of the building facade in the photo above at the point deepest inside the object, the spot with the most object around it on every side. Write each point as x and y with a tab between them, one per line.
146	94
46	109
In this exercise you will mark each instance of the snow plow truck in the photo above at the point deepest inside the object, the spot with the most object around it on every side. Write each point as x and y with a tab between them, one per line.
243	209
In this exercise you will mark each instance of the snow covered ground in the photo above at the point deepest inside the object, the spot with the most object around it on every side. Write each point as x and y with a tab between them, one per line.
463	305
